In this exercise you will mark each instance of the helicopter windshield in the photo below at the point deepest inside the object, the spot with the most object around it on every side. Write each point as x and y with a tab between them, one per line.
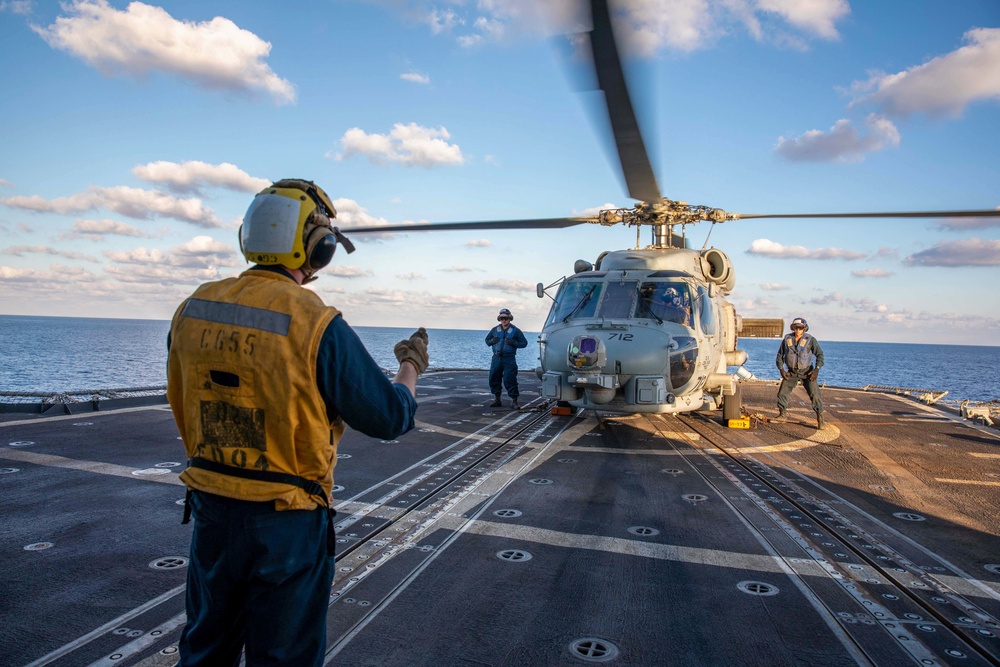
577	298
665	301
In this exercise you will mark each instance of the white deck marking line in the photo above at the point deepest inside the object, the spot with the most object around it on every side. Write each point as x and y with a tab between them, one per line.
670	552
966	481
821	437
85	415
612	450
984	456
53	461
107	627
143	642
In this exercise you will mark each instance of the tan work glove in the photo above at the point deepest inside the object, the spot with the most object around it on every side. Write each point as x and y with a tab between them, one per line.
414	350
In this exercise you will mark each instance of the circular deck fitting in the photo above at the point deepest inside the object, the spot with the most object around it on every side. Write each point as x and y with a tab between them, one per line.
181	502
594	435
566	460
8	471
454	423
20	443
926	628
672	471
694	497
593	649
539	480
992	567
170	650
167	464
427	430
510	514
876	487
169	563
514	555
955	653
39	546
337	487
389	442
908	516
645	531
757	588
83	424
148	472
343	456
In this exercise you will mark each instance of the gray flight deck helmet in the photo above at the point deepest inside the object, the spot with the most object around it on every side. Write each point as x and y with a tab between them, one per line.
504	311
799	322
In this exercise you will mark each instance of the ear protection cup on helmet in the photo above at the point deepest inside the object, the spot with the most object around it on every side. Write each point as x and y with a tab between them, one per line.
320	244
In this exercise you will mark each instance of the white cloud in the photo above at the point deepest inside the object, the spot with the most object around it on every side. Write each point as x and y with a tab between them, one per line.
24	7
458	269
813	16
969	223
21	250
643	26
97	230
214	54
4	183
943	86
409	145
967	252
872	273
415	77
411	276
130	202
502	285
340	271
192	262
843	143
191	177
768	248
479	243
774	287
833	297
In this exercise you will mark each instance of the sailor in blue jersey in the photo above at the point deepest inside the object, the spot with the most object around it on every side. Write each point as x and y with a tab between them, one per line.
799	360
506	340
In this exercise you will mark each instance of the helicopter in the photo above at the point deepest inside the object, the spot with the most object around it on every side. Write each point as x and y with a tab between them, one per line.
646	329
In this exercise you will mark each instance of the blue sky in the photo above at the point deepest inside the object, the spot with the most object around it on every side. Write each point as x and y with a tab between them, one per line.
135	135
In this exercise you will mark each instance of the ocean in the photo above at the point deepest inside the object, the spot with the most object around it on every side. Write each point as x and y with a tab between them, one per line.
65	355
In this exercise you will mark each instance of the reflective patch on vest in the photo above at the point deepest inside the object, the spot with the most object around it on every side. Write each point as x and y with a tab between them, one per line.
226	425
238	315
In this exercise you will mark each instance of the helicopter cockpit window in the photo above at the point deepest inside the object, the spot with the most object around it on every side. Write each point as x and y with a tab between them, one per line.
577	298
665	301
706	312
618	300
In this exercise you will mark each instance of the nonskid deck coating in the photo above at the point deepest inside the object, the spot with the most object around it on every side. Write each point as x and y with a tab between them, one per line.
632	534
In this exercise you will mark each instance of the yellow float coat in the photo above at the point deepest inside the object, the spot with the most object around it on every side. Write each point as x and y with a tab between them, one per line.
241	379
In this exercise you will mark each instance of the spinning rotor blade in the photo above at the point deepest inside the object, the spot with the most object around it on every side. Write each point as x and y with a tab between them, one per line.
989	213
540	223
636	168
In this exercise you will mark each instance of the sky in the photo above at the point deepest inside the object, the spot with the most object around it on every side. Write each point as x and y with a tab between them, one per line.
135	135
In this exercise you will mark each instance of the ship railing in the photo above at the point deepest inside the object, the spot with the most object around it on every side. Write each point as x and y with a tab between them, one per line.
928	396
83	400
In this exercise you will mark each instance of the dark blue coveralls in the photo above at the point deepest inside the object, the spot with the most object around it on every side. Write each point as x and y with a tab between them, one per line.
505	344
800	359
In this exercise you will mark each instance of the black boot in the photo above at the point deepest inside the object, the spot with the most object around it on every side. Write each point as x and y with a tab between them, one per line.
514	405
819	420
496	402
781	415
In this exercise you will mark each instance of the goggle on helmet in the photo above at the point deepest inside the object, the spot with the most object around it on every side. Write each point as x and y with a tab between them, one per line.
288	223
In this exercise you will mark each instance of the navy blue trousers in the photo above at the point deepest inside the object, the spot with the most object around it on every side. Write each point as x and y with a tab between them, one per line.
504	369
258	579
811	387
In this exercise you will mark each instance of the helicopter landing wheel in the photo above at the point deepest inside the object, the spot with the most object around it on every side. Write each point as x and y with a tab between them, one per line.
732	406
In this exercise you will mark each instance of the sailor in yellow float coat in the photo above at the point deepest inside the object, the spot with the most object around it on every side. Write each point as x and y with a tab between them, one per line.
262	376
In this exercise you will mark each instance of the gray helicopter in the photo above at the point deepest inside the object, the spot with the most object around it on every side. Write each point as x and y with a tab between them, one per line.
645	330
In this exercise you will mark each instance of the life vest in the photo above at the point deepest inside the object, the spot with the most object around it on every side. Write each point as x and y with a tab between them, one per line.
241	379
798	356
507	341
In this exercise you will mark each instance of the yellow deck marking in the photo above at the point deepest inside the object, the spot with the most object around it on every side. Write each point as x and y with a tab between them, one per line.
966	481
822	437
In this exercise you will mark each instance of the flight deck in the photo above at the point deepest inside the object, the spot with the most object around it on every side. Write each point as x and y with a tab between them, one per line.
491	537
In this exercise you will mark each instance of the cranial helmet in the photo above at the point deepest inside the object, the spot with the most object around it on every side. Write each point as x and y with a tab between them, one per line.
288	223
505	313
799	322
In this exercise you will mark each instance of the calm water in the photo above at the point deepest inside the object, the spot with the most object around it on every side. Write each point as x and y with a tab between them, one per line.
61	354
